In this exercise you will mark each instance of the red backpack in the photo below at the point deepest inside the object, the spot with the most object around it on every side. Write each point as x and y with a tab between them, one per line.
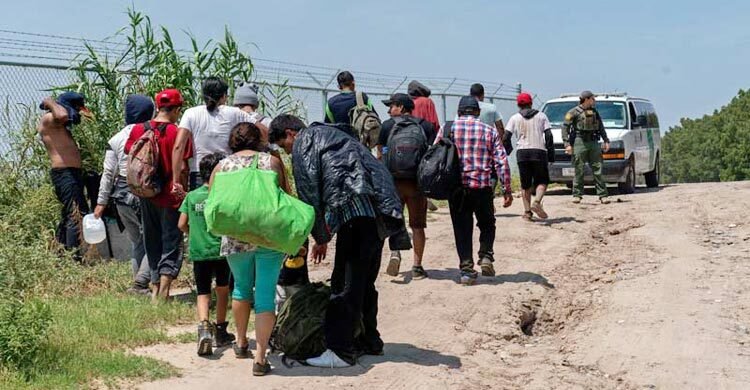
144	178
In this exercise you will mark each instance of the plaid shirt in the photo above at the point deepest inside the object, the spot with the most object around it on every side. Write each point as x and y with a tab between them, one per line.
481	152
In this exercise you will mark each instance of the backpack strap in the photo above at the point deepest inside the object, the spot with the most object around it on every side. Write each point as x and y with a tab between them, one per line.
147	126
360	99
448	130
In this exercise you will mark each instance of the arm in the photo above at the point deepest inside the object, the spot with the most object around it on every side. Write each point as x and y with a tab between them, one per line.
278	167
183	224
182	142
307	175
568	133
59	113
603	132
105	185
328	115
502	168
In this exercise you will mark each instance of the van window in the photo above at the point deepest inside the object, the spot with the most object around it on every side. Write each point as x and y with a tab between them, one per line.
612	113
633	115
648	112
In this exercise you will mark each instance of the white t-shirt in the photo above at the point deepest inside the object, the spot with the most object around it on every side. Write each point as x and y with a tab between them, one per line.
265	121
489	114
211	129
530	132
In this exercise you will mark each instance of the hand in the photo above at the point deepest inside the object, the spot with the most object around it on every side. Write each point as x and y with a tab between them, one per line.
508	200
99	211
302	252
319	252
569	150
606	147
178	190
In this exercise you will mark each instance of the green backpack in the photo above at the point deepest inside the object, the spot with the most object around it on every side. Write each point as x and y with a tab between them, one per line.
298	332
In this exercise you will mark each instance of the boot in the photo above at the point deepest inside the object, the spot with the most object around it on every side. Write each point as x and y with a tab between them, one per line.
205	341
223	337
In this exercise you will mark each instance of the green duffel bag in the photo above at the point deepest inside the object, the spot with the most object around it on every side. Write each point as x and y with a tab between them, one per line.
248	205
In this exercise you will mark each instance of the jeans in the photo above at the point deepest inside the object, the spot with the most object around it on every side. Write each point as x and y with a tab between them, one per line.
464	205
131	218
68	183
351	323
258	269
162	239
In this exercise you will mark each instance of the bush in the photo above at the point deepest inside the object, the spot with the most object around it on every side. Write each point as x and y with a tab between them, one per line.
23	330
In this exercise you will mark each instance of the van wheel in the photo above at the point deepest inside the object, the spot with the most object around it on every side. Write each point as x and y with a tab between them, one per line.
628	187
652	178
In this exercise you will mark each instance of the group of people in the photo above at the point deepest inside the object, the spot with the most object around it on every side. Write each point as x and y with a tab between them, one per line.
356	197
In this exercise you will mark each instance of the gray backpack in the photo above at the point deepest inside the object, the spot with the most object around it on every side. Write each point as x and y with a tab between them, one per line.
407	144
365	122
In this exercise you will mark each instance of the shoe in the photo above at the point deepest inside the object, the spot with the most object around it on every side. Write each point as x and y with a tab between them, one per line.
528	216
431	206
394	264
261	369
328	359
223	338
241	352
487	268
468	278
418	272
137	290
205	340
537	208
604	200
576	200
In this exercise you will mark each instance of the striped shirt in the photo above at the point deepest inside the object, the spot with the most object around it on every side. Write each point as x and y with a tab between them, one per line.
358	206
481	152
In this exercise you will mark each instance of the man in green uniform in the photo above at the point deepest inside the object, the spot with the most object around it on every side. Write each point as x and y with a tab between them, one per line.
581	131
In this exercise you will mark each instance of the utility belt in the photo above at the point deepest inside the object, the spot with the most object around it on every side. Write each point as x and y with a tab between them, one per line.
587	136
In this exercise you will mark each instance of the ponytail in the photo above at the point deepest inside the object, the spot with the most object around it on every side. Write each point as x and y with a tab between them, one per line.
214	89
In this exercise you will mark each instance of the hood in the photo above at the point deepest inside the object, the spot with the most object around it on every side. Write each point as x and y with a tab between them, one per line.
417	89
528	113
138	109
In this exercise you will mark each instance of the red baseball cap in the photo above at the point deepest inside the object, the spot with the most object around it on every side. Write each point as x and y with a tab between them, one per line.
168	98
524	99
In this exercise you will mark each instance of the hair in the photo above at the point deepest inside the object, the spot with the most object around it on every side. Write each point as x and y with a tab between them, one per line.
476	90
169	108
281	123
581	100
213	89
345	79
524	106
245	136
208	163
468	111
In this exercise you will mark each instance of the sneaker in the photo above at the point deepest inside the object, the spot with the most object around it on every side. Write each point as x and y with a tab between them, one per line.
487	268
468	278
328	359
604	200
528	216
223	338
431	206
418	272
576	200
537	208
261	369
241	352
394	264
205	340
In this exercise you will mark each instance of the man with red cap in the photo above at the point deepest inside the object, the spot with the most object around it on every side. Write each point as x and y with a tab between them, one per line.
162	238
534	141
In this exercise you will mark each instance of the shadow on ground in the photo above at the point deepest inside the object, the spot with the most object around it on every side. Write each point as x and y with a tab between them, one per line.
520	277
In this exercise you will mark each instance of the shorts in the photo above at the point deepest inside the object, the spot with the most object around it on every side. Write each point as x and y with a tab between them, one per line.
415	202
206	270
533	173
255	276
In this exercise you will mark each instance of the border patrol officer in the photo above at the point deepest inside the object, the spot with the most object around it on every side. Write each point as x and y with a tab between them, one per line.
581	131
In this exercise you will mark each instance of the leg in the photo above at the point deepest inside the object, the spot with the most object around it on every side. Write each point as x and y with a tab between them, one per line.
485	213
243	269
416	203
221	272
579	162
371	251
131	219
151	224
463	221
267	267
595	160
525	174
69	190
171	256
203	273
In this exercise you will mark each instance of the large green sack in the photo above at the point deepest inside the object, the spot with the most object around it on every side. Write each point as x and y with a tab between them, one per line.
248	205
299	332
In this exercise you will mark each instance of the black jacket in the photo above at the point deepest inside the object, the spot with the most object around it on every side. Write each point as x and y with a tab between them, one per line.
330	166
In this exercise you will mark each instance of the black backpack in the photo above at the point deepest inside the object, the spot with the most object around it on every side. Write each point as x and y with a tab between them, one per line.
407	144
298	332
439	174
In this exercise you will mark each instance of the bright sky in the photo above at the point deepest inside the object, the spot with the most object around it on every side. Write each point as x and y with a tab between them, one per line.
690	57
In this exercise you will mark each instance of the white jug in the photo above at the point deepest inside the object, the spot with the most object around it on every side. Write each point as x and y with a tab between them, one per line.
94	231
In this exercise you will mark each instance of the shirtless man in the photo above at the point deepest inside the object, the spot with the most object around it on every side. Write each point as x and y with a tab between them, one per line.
55	130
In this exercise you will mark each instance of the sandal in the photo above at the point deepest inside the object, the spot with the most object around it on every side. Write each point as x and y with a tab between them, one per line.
241	352
261	369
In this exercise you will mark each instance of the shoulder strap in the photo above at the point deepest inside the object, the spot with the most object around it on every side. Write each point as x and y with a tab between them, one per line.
448	129
360	99
147	126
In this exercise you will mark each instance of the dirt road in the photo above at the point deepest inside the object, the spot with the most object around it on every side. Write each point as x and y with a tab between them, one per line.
652	291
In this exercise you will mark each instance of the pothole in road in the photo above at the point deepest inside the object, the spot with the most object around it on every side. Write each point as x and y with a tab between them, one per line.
526	321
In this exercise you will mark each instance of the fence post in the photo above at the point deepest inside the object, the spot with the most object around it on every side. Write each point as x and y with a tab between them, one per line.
325	102
445	111
518	87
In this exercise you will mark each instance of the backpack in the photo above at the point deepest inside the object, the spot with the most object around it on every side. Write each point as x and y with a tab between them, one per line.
407	145
439	174
143	176
298	332
365	122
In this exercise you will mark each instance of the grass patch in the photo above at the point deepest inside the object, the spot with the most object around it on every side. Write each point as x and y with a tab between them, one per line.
88	338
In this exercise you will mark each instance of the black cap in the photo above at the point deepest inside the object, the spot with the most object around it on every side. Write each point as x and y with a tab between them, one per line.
586	94
467	102
401	99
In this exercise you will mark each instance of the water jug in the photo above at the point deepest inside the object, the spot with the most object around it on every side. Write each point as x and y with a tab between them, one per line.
94	231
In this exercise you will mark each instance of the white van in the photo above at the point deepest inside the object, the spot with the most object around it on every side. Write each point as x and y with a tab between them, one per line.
635	140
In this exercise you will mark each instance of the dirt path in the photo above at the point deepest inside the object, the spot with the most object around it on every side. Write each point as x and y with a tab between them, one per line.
649	292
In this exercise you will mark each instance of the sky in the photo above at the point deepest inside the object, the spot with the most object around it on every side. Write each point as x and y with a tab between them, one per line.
689	57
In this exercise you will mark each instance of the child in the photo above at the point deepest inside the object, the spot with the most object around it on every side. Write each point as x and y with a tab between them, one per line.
207	263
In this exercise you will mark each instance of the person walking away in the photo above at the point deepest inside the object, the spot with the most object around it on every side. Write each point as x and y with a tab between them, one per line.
581	131
208	127
114	188
208	264
400	107
159	215
424	107
534	140
294	272
255	269
246	99
55	128
490	116
361	206
481	153
338	107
